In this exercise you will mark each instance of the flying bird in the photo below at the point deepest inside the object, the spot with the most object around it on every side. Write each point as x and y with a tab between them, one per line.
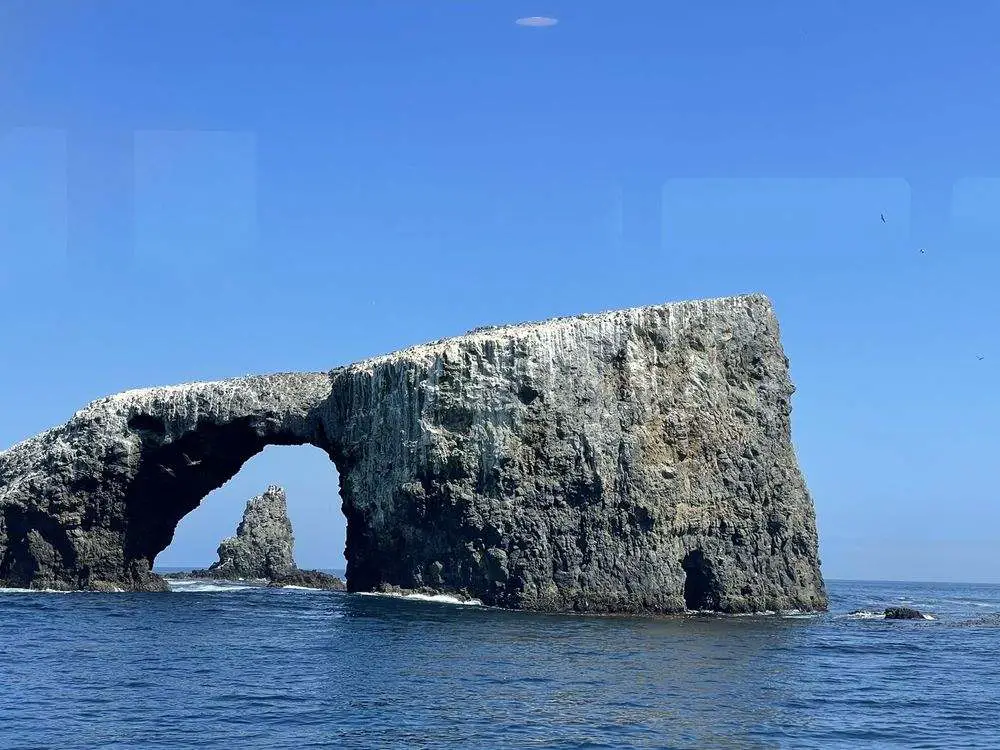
921	249
979	357
882	216
537	21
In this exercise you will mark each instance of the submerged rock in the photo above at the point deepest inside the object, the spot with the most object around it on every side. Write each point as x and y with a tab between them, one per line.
904	613
632	461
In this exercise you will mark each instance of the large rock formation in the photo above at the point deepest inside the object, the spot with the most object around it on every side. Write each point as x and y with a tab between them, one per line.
632	461
263	545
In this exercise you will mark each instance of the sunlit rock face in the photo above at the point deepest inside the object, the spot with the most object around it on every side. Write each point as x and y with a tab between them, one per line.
631	461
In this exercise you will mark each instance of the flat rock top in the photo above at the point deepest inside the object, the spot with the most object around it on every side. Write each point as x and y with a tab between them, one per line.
282	391
555	327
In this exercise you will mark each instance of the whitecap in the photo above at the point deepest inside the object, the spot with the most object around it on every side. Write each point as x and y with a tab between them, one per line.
714	613
866	615
443	599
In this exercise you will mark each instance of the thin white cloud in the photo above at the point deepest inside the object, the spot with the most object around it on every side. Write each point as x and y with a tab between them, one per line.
537	21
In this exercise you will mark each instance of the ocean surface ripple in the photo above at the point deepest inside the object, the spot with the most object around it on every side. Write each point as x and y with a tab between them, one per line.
240	666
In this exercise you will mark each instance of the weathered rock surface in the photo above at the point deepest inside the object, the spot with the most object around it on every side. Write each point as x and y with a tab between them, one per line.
631	461
263	545
312	579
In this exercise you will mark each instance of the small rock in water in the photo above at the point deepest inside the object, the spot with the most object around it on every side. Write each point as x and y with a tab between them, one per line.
312	579
903	613
262	547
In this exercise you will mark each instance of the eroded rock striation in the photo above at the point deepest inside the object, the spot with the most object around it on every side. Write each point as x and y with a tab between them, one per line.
631	461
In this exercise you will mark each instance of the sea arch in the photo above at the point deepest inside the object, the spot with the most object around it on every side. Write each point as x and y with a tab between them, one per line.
574	464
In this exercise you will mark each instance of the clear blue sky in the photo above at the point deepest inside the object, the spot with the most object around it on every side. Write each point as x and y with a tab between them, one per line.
200	190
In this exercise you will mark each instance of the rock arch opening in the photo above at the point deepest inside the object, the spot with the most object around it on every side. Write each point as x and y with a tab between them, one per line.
700	587
310	481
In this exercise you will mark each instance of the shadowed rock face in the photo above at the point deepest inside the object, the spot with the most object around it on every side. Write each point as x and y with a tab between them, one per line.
632	461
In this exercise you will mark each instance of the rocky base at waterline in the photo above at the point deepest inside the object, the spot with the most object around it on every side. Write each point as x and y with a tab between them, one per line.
462	596
633	461
263	549
310	579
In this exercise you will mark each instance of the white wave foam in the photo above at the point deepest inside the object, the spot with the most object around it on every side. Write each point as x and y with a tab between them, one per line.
443	599
303	588
37	591
438	598
713	613
866	615
203	586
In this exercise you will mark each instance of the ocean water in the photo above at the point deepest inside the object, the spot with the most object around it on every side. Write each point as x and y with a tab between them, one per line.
237	666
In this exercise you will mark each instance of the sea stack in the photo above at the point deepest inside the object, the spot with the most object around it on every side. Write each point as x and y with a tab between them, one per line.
263	549
264	543
632	461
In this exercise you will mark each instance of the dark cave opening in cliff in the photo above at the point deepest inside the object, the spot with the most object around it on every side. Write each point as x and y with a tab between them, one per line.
699	588
311	483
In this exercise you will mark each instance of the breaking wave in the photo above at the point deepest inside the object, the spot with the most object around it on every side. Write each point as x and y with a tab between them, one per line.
438	598
204	586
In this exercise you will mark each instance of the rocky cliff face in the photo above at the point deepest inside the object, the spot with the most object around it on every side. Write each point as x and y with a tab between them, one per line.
632	461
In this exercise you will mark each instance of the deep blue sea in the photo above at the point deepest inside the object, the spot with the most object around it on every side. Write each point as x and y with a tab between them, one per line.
228	666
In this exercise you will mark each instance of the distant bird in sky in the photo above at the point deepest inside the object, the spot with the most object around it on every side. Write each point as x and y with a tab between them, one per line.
921	249
537	21
882	216
979	357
